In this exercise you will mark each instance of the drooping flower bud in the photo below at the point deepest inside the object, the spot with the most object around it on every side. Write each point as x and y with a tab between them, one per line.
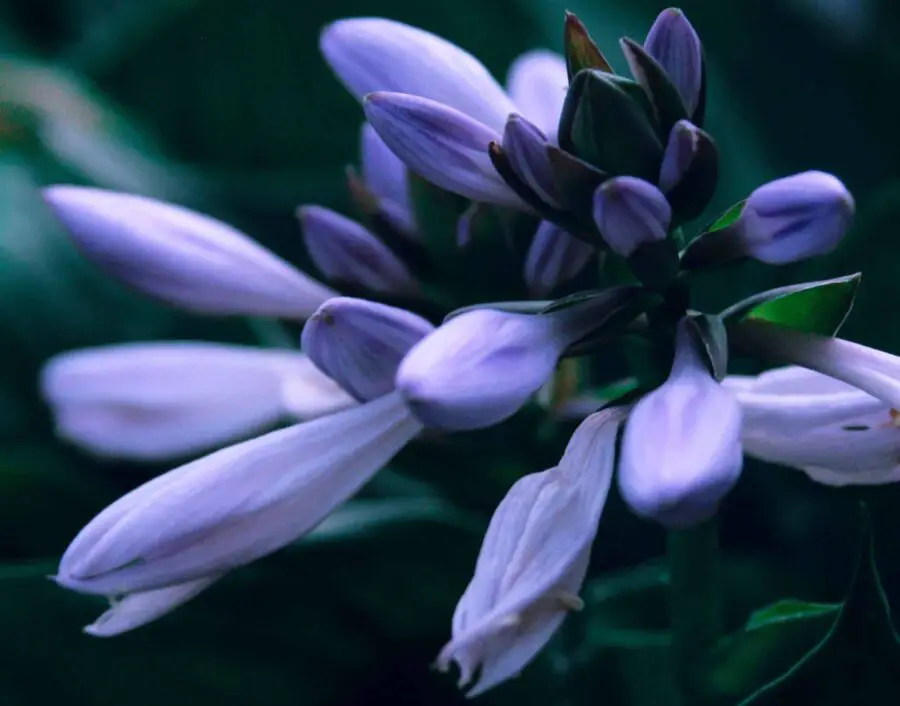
533	560
345	251
480	367
182	257
674	43
153	401
537	83
385	175
795	217
554	257
629	213
236	505
681	450
443	145
360	344
526	148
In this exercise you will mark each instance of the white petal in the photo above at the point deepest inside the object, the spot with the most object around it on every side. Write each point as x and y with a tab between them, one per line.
154	401
138	609
372	54
537	83
182	257
236	505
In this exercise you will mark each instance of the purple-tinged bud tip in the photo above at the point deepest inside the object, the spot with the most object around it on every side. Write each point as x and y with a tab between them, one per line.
360	344
680	151
526	148
630	212
674	43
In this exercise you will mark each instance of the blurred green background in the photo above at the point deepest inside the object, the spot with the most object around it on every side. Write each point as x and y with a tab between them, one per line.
227	107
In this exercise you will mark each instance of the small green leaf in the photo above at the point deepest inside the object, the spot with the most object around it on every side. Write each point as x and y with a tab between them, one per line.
788	610
814	307
710	330
580	50
727	218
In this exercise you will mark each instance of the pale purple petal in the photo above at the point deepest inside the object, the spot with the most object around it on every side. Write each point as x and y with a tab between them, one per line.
537	83
383	172
554	258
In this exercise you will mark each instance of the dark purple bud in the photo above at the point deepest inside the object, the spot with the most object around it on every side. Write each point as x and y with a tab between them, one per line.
680	151
630	212
795	217
526	148
345	251
674	43
360	344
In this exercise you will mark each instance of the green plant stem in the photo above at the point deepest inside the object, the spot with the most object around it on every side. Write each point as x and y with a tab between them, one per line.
696	605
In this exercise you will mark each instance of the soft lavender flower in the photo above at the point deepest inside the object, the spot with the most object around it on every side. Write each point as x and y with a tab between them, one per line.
533	560
681	149
681	450
554	257
441	144
674	43
834	432
537	82
526	148
236	505
347	252
482	366
867	369
184	258
371	54
154	401
360	343
386	177
794	218
630	212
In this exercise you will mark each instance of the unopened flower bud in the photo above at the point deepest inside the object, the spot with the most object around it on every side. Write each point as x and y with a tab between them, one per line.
680	152
361	343
346	252
795	217
681	450
629	213
674	43
526	148
554	258
386	177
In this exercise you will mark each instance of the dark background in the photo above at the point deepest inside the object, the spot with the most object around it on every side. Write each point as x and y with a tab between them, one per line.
227	107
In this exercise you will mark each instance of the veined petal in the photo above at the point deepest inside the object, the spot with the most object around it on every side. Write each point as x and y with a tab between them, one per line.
537	83
554	257
155	401
236	505
533	559
184	258
441	144
138	609
373	54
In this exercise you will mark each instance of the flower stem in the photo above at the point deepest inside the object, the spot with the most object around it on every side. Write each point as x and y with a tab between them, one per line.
695	604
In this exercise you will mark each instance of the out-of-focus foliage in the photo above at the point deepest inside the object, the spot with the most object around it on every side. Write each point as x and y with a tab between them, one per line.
227	107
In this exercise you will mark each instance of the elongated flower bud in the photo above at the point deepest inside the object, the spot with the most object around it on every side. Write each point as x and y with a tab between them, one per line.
834	432
361	343
154	401
629	213
533	560
681	450
554	258
443	145
674	43
386	176
868	369
537	83
186	259
479	368
795	217
347	252
526	148
236	505
373	54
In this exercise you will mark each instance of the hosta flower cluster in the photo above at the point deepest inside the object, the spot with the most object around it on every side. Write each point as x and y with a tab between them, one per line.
565	177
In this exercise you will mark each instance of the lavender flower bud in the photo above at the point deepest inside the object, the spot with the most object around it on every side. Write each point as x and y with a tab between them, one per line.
681	450
479	368
184	258
680	152
361	343
526	148
674	43
533	560
385	175
442	145
795	217
629	213
554	258
347	252
537	83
